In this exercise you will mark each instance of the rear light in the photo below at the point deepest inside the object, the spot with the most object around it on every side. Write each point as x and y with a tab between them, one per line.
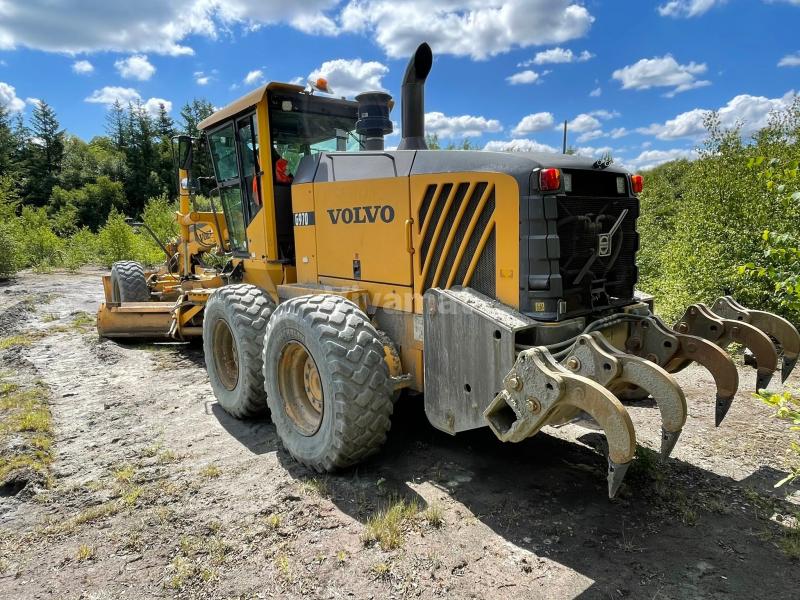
549	180
637	183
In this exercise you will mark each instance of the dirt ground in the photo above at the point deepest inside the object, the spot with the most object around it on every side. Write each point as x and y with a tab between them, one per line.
155	492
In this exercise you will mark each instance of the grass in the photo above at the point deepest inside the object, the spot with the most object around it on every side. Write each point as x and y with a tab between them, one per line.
16	341
386	527
314	486
790	542
434	515
381	570
274	521
210	472
282	564
93	513
125	474
84	552
25	413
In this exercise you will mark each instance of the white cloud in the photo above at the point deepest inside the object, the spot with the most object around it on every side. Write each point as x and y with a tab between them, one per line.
751	111
254	77
790	60
592	151
652	158
135	67
351	77
604	114
145	25
590	135
618	133
661	71
111	93
462	126
534	122
518	145
465	27
201	78
83	67
687	8
583	122
153	106
557	55
315	24
596	92
523	77
8	98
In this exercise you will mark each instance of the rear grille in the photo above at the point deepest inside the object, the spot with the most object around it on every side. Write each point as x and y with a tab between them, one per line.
590	280
456	230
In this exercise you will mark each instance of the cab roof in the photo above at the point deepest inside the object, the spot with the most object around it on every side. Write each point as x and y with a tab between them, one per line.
247	101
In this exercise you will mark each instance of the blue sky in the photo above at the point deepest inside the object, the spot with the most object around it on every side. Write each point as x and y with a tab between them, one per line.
631	76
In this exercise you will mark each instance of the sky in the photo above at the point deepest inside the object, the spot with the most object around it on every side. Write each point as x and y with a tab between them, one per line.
632	77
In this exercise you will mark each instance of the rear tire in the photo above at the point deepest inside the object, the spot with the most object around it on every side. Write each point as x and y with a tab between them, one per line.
128	283
328	386
233	335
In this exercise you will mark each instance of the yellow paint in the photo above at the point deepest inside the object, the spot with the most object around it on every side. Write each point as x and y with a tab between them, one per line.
380	246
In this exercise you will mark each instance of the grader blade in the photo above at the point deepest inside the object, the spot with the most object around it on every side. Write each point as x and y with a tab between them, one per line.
700	321
594	357
771	324
651	339
539	391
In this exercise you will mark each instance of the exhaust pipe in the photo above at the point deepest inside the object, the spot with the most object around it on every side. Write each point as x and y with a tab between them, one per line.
413	96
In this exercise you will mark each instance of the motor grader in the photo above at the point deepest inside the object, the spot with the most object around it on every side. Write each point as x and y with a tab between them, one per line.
497	288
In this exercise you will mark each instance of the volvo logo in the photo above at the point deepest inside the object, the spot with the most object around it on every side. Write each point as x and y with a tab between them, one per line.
362	214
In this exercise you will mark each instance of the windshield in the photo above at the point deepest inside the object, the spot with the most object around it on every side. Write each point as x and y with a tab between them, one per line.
302	125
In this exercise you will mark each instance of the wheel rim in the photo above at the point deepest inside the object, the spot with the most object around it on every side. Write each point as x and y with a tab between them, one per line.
301	388
226	355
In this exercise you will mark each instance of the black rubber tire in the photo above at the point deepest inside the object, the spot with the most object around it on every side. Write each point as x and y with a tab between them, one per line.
348	353
128	283
245	309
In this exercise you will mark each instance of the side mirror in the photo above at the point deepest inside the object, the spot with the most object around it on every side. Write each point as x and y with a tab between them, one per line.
185	152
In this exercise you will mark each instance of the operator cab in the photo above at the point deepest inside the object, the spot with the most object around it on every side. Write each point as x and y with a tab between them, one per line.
257	144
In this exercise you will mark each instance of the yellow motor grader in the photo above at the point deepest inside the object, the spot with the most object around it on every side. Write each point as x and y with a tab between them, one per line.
497	287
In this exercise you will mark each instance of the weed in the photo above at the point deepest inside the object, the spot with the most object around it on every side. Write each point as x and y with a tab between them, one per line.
90	514
49	317
381	570
434	515
84	552
82	320
385	527
315	487
16	341
282	564
211	472
790	542
341	557
166	457
274	521
125	474
132	495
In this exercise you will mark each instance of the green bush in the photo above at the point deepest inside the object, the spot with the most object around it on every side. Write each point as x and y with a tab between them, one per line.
39	246
159	215
9	255
117	241
81	249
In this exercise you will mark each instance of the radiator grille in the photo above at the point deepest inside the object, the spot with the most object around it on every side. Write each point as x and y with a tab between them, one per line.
584	273
456	229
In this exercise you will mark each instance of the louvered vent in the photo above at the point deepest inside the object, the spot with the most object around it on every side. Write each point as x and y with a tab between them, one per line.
457	240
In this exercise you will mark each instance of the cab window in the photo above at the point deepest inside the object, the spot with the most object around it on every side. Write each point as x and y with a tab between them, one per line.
222	143
247	134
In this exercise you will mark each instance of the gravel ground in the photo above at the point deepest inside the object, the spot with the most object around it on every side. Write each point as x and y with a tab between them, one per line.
154	492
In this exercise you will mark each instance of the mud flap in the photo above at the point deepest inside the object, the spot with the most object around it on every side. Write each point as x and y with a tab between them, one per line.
539	391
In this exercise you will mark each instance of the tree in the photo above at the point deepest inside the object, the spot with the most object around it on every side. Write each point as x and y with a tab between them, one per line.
192	114
45	151
7	143
165	128
142	179
115	125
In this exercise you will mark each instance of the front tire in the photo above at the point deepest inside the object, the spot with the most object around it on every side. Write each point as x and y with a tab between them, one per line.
233	335
128	283
328	386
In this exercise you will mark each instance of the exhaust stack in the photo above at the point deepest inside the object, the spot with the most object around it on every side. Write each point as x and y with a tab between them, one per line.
413	96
